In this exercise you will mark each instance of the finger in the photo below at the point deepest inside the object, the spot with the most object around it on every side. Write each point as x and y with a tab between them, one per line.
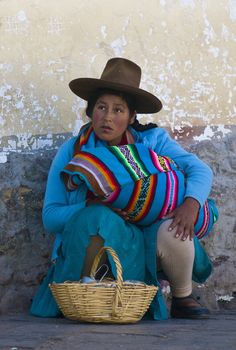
121	213
185	234
188	232
173	224
179	232
117	210
191	234
125	217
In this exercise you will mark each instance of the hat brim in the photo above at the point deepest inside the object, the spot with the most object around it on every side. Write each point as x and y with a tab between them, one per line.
145	102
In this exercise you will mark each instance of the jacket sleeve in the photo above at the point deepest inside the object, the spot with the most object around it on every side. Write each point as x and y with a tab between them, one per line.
198	174
56	209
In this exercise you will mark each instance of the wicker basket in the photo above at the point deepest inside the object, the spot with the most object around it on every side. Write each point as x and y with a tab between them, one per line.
104	302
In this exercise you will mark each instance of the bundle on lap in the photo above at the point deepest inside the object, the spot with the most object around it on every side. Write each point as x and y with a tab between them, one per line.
135	179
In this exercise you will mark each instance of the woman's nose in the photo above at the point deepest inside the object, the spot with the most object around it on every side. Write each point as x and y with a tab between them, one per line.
108	115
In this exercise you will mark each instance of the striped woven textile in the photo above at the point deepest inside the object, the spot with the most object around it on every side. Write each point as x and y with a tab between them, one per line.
133	178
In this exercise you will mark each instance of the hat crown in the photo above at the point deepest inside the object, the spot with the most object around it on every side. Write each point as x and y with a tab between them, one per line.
122	71
121	75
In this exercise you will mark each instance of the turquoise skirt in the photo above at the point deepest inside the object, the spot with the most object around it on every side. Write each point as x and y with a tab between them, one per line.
135	247
126	239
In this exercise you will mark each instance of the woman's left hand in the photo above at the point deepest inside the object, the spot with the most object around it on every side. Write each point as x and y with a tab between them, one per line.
184	218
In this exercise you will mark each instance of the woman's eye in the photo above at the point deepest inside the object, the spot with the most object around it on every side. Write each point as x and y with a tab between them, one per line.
118	110
101	107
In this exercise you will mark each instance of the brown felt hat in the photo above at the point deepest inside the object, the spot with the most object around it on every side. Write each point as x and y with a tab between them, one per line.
120	75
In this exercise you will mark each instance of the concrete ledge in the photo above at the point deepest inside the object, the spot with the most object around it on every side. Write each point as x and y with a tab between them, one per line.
20	331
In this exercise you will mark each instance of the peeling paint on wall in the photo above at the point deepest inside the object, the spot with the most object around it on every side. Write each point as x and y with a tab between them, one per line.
232	9
209	132
55	25
186	50
17	24
118	46
28	144
187	3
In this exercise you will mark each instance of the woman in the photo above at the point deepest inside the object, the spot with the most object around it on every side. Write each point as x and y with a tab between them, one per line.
83	224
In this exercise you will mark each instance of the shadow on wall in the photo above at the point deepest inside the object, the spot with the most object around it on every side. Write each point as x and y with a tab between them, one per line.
25	247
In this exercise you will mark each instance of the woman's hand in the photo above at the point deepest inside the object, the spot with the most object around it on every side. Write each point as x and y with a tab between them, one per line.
121	213
184	218
118	211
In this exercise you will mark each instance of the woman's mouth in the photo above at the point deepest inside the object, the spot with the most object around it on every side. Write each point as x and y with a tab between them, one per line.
106	128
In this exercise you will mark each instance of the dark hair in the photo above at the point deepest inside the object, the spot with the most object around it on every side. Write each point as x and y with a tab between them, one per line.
127	98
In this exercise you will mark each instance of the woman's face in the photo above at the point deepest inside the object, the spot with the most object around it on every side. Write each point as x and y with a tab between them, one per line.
110	118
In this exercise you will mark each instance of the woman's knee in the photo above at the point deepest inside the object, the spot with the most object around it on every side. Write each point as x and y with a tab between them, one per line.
168	243
88	220
164	232
88	215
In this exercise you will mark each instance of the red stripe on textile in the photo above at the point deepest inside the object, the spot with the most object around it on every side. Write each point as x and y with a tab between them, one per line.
102	168
85	136
134	198
165	206
206	221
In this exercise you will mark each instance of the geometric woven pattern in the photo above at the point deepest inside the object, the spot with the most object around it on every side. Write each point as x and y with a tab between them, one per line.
133	178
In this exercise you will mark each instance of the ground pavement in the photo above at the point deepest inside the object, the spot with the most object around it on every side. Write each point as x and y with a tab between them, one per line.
21	332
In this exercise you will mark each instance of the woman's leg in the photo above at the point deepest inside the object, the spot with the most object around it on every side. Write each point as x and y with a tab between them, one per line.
96	243
176	257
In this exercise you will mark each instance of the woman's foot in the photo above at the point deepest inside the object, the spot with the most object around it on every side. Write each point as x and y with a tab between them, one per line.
188	307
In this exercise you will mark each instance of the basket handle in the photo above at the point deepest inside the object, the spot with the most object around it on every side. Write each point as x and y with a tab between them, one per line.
116	259
117	302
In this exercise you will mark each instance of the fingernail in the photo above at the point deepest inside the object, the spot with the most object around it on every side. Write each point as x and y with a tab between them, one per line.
177	236
184	238
170	229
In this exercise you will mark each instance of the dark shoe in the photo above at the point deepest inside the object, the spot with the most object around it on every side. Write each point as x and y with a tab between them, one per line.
188	307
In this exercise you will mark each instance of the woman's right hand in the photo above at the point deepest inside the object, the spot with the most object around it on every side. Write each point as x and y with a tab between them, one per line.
123	214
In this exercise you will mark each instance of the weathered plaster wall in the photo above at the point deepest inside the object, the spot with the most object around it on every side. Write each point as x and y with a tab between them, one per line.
187	51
